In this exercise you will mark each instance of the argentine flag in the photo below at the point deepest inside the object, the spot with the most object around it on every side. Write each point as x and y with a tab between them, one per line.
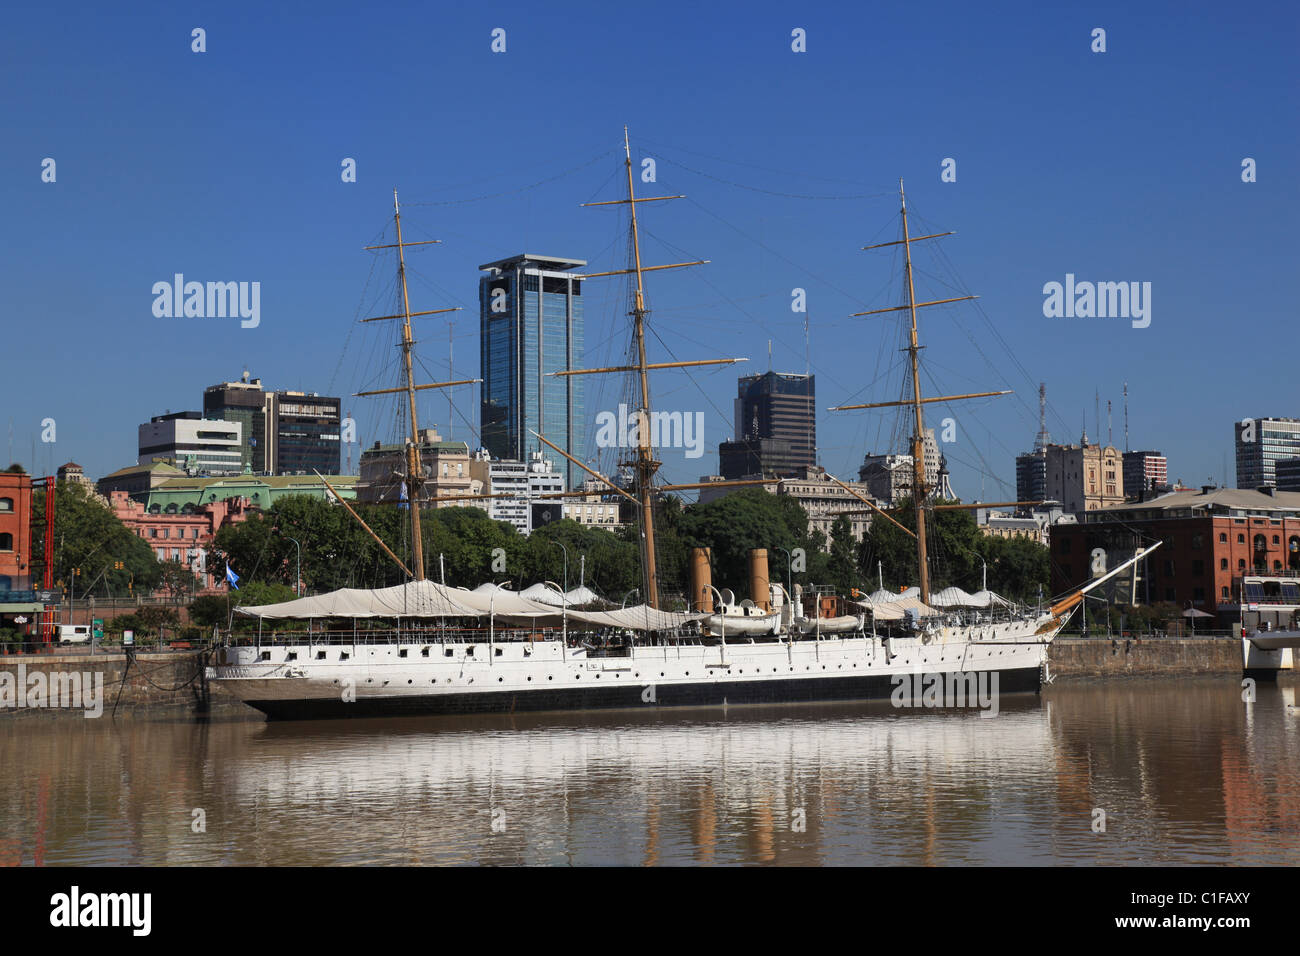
232	577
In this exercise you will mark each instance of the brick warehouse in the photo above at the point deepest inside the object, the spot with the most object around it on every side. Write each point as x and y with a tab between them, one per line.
1210	539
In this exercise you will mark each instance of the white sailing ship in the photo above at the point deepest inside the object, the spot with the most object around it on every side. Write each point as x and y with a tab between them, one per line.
452	650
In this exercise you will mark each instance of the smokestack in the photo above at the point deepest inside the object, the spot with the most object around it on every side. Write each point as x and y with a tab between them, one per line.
701	580
759	586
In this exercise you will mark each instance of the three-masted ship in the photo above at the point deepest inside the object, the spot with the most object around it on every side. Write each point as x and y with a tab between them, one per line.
521	654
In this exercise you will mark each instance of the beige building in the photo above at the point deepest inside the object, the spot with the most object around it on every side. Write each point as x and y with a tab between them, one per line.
600	507
822	499
445	465
1085	477
889	477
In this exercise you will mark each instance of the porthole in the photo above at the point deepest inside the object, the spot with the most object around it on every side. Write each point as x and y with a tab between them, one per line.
500	679
410	682
402	652
550	677
530	676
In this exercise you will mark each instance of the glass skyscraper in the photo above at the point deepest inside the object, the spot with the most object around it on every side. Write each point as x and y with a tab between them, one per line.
530	325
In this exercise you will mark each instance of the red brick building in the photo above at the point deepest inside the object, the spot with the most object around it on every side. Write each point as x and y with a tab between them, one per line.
15	532
1210	538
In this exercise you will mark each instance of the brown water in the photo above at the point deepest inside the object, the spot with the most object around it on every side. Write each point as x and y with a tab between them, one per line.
1184	770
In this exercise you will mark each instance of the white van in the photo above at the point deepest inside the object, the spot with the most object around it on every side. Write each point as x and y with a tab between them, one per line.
74	633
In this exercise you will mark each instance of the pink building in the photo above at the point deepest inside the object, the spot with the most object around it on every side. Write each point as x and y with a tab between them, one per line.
182	535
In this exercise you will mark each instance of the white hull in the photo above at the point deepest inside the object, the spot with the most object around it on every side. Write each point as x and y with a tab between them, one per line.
366	679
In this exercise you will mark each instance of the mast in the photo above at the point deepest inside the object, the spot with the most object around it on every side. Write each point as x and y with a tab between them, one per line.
414	473
414	477
644	465
919	490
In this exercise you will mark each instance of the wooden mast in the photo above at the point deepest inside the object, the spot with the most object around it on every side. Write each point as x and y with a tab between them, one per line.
414	472
920	492
644	465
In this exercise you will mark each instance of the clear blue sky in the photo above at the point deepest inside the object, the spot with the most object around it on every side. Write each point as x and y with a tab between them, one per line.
1122	166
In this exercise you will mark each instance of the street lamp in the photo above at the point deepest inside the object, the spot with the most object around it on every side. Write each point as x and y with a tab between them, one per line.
297	580
566	565
564	611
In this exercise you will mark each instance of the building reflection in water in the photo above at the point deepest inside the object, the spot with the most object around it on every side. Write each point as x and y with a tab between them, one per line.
1185	772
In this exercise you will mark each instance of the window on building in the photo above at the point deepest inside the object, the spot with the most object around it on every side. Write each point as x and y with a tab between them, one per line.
1223	564
6	504
153	532
1223	537
1223	592
1196	542
1198	567
1241	539
6	541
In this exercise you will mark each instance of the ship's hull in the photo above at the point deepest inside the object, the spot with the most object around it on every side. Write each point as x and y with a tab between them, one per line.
374	680
701	694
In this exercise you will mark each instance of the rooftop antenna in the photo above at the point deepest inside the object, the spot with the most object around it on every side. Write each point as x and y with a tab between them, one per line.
1110	436
1126	416
1096	412
1044	439
769	355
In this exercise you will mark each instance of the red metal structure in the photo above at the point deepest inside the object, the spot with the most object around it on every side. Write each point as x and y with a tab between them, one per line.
47	579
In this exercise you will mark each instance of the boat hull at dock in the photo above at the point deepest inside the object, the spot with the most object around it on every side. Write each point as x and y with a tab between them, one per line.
374	680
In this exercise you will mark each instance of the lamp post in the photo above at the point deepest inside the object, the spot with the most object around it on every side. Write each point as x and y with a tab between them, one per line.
297	579
566	572
564	611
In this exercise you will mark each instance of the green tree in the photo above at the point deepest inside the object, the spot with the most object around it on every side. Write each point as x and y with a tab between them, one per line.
737	523
88	536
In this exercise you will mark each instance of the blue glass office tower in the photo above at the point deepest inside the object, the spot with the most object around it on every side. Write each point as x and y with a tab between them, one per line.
530	325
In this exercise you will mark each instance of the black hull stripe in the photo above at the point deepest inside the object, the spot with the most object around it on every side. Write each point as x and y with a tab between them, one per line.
626	696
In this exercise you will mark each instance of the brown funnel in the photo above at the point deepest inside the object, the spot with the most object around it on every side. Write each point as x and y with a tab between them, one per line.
759	590
701	581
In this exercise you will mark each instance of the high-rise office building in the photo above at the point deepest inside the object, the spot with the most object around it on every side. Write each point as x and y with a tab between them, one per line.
191	442
1260	444
246	403
531	325
305	436
775	427
283	433
1031	476
1146	475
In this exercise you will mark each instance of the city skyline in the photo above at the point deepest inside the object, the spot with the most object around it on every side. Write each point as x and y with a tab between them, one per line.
1155	196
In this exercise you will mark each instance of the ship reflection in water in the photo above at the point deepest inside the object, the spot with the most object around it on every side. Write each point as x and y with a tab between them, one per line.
1185	772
